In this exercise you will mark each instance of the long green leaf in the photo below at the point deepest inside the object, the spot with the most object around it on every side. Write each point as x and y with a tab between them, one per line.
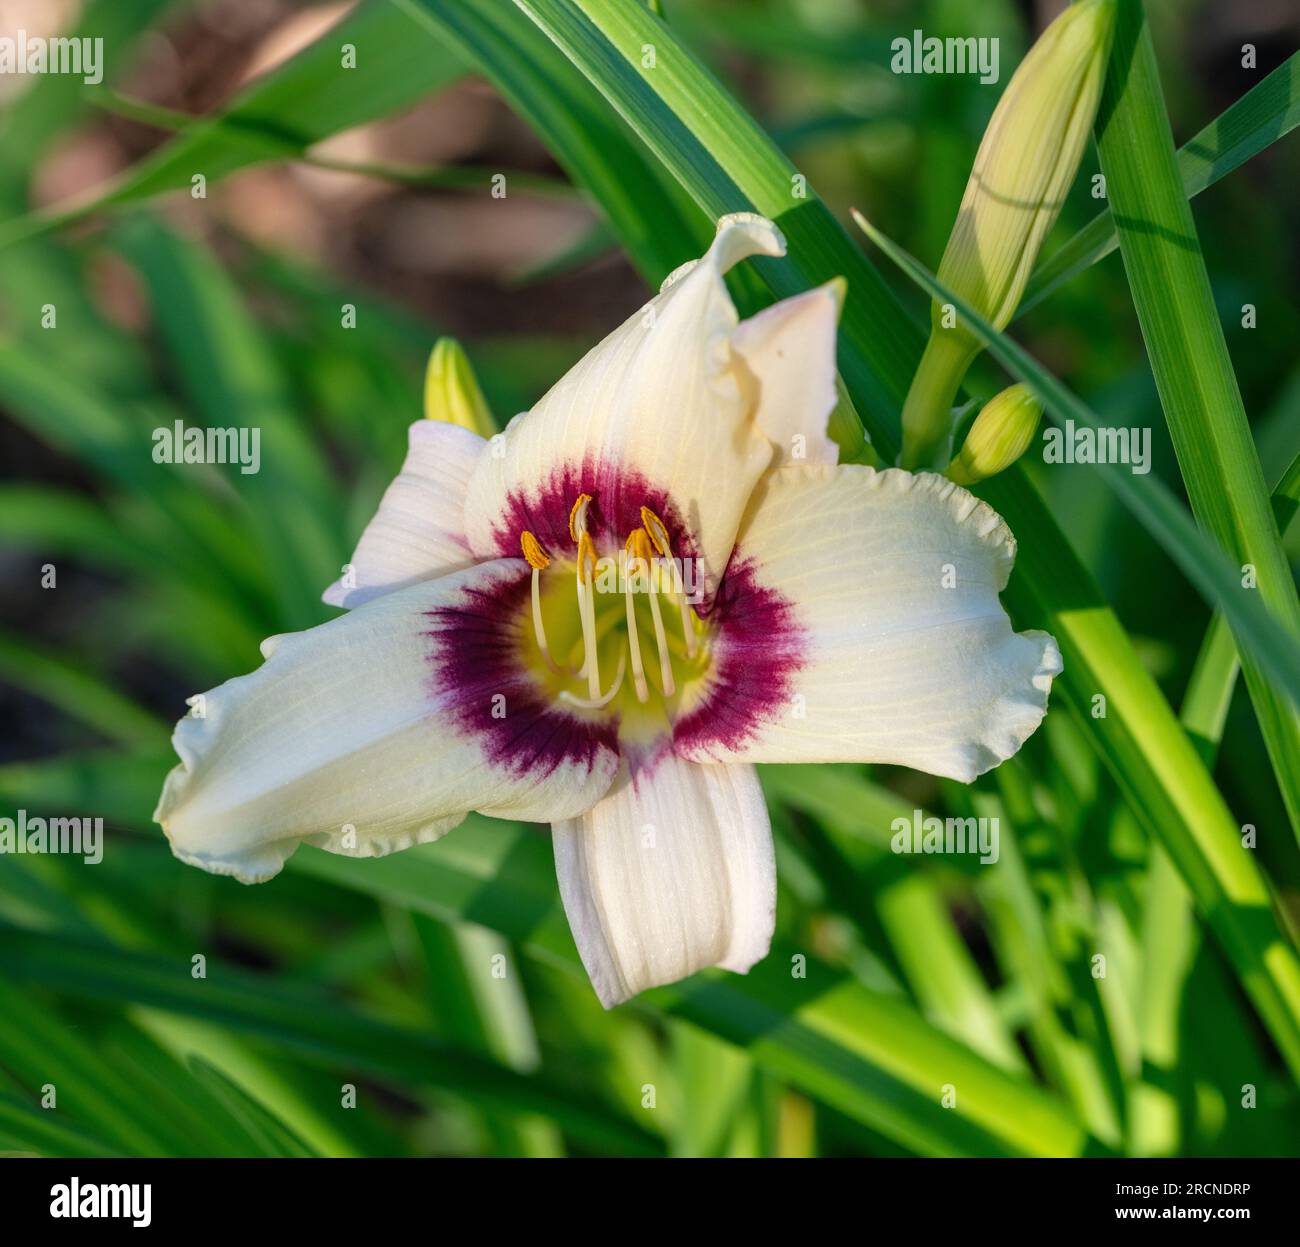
307	1023
1170	937
591	145
1194	375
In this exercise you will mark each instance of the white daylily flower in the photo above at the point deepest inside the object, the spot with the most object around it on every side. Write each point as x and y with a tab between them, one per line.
841	614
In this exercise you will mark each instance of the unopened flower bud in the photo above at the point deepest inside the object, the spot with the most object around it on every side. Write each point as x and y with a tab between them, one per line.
451	391
1000	435
1026	162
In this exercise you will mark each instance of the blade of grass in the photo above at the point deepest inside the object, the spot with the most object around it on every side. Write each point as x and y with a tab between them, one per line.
727	164
453	177
1267	112
25	1129
588	143
1194	375
229	373
35	121
857	816
306	1022
271	1135
484	1009
1170	938
78	693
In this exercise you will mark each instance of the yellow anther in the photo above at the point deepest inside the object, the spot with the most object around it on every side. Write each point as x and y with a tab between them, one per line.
586	558
654	526
638	545
578	516
537	558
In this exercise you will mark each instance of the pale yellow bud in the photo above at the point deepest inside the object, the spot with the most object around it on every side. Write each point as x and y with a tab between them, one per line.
1028	158
451	392
1026	162
1000	435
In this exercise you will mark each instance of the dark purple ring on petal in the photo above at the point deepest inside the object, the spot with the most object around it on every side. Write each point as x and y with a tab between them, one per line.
758	648
476	657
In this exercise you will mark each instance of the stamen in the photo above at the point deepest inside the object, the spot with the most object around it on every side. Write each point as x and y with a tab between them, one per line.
539	628
595	703
587	608
632	558
537	558
661	641
578	516
658	533
687	627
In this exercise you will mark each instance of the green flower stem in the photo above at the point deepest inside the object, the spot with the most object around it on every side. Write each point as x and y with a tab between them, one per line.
927	413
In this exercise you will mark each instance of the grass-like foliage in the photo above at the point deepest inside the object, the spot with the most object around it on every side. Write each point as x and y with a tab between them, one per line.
1123	980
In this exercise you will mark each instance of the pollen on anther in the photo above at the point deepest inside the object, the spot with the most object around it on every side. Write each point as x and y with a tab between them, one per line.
537	558
657	530
578	516
637	545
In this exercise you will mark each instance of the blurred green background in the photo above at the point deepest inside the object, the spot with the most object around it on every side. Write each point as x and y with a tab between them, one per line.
441	984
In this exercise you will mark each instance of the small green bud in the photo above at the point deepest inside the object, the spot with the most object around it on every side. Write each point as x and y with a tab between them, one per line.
451	391
1028	158
1000	435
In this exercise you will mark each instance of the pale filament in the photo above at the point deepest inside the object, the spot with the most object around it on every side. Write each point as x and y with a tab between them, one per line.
658	533
591	660
584	703
642	544
661	641
539	628
634	644
587	597
538	559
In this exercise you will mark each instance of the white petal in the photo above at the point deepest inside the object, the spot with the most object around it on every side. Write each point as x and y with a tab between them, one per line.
789	349
358	736
418	533
899	650
671	872
655	414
